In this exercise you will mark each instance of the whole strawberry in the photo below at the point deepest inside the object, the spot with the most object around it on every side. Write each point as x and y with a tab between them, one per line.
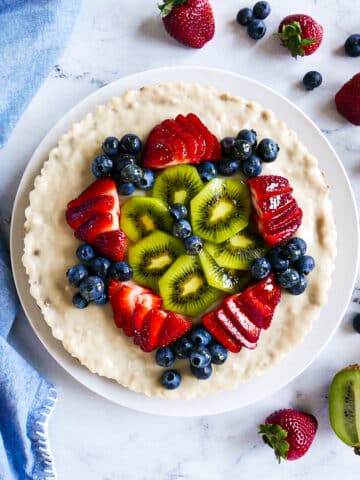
289	432
301	34
347	100
189	21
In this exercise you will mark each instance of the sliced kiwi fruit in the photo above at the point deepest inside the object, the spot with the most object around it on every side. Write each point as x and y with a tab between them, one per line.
178	184
344	406
221	209
224	279
237	252
142	215
184	288
152	256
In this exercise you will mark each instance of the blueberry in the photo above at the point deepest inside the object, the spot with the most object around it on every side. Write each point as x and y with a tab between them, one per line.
207	171
100	266
102	166
260	268
199	357
200	337
248	135
171	379
130	144
79	301
305	264
227	145
123	160
228	166
85	252
179	211
182	347
312	80
193	245
300	287
102	300
356	322
256	29
92	288
278	263
244	16
201	373
288	279
131	173
165	357
242	149
218	354
120	271
77	274
182	229
147	180
267	150
261	10
127	188
294	249
251	167
111	146
352	45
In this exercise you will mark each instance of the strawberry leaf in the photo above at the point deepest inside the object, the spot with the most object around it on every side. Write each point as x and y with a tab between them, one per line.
290	37
166	7
274	436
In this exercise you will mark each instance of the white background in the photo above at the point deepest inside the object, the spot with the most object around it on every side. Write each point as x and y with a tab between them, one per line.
93	439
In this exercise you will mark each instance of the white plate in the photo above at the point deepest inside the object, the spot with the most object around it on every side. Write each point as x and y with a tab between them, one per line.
343	277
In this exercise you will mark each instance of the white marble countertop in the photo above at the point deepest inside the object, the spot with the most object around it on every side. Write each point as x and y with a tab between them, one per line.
93	438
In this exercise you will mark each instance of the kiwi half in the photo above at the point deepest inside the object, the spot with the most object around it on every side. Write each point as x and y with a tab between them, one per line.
141	215
152	256
238	251
344	406
184	288
178	184
221	209
224	279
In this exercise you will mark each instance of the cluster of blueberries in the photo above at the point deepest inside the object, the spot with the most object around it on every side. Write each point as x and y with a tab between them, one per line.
289	263
198	346
252	18
241	154
91	276
182	229
121	160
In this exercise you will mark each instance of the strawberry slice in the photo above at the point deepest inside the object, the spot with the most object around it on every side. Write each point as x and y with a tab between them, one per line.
175	127
148	338
200	140
127	302
113	292
103	186
241	320
96	225
211	322
157	156
280	234
76	216
267	207
197	125
265	186
174	327
138	318
276	220
232	329
111	245
216	151
172	141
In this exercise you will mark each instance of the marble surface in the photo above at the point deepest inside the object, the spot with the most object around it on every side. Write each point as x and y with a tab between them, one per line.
93	438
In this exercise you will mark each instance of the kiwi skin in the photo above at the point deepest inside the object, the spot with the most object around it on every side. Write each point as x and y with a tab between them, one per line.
344	418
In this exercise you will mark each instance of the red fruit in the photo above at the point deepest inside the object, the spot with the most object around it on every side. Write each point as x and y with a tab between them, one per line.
241	320
289	432
174	327
198	136
148	338
347	100
228	325
198	126
175	127
95	226
103	186
280	234
76	216
138	318
211	322
111	245
128	298
301	34
266	186
113	292
189	21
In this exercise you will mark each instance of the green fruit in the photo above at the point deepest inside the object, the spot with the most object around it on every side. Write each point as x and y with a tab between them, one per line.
238	251
184	288
152	256
141	215
344	406
225	279
221	209
177	184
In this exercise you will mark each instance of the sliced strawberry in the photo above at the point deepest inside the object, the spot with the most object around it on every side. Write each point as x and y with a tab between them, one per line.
138	318
76	216
127	299
113	292
95	226
241	320
216	151
111	245
200	140
211	322
172	141
103	186
175	127
282	233
267	207
148	338
174	327
209	137
265	186
232	329
276	220
157	156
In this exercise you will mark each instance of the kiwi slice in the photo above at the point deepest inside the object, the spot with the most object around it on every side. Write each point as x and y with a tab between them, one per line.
221	209
152	256
344	406
178	184
237	252
184	288
142	215
225	279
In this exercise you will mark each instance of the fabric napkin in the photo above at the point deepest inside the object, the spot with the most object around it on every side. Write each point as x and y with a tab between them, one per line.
26	399
33	33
